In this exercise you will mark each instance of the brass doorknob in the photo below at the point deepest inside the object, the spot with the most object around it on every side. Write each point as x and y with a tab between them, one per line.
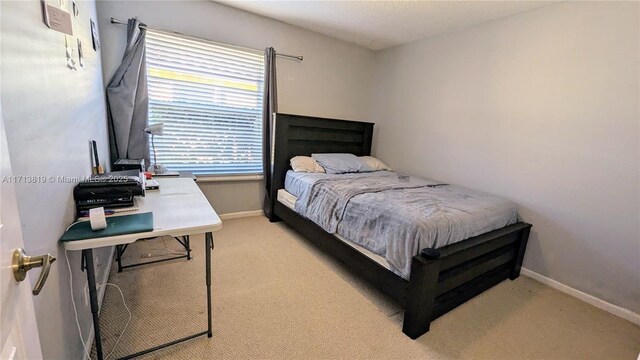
22	263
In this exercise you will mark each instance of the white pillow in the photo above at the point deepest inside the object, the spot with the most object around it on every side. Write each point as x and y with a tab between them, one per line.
375	164
305	164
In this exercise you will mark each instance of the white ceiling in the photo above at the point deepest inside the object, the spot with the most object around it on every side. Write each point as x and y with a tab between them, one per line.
381	24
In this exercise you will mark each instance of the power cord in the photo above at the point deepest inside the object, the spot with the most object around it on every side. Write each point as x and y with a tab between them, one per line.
166	251
125	326
75	310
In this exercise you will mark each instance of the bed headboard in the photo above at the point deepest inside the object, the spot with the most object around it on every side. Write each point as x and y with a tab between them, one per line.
304	135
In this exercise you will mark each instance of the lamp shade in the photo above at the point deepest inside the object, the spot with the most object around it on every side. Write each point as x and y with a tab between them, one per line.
155	129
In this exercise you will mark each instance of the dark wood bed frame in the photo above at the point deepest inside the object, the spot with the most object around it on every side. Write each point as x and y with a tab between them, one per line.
441	279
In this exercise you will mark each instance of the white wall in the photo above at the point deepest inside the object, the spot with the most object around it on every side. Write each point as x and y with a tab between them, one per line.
543	108
333	80
50	113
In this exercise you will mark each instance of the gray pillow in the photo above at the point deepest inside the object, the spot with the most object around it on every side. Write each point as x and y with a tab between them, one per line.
341	163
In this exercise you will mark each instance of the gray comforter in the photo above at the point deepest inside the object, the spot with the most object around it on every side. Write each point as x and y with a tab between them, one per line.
396	219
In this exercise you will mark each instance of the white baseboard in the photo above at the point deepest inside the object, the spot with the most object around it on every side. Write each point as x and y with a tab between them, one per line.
241	214
589	299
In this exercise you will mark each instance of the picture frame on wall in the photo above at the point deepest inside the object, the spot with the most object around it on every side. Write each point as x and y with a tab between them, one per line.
80	53
94	36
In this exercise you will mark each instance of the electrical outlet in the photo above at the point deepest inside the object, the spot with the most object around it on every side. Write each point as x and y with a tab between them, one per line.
86	294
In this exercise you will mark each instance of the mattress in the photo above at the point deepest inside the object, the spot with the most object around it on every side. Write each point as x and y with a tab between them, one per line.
289	200
393	216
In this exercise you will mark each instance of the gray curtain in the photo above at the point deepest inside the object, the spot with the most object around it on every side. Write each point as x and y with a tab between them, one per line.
128	100
269	107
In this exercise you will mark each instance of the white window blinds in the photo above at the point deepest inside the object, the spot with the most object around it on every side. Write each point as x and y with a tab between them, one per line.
209	98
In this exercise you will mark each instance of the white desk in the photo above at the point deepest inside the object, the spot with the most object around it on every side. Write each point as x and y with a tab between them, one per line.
179	209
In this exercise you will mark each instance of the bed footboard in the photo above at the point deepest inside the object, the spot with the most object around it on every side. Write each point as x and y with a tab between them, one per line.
444	278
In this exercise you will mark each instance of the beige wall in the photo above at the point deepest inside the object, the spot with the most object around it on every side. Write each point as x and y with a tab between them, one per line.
233	196
50	113
332	81
542	108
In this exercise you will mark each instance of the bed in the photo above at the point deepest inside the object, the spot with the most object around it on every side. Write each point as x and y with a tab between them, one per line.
436	278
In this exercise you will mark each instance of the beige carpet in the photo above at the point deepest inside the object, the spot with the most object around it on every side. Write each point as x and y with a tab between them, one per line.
277	297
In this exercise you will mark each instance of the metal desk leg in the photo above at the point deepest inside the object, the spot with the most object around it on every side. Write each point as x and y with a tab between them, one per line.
207	250
119	252
188	246
93	298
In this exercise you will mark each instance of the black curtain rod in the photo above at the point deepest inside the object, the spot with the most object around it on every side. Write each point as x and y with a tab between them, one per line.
119	22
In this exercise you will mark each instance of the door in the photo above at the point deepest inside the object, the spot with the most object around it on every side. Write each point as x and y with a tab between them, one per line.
18	331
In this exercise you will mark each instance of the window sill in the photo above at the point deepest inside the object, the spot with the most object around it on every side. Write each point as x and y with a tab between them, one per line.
228	178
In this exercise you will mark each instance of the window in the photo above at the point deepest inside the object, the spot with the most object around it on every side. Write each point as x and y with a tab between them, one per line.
209	98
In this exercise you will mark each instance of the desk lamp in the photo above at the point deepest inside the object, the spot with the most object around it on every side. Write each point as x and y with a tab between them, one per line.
155	129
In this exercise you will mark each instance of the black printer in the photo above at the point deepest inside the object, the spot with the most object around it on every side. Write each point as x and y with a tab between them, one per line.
109	190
